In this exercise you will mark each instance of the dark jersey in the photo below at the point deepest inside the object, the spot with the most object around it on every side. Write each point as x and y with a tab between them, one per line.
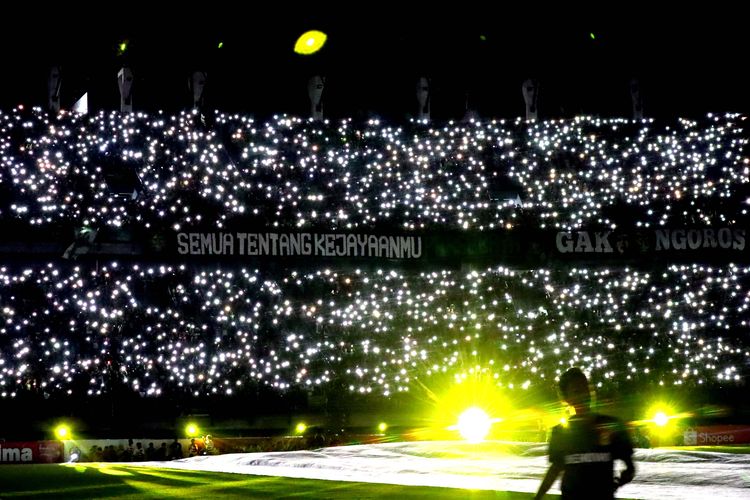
586	449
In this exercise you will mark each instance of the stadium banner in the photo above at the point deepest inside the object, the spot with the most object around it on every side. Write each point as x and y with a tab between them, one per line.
31	452
522	247
716	435
273	244
290	244
516	246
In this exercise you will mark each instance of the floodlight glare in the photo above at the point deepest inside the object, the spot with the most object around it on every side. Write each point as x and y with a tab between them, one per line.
310	42
474	424
661	419
62	431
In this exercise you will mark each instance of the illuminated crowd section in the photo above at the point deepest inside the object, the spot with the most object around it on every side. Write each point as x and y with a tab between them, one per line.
174	172
207	332
222	328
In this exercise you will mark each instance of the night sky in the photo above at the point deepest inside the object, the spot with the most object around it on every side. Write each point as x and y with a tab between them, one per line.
689	61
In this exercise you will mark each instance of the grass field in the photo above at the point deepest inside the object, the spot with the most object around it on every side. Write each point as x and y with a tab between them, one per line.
101	480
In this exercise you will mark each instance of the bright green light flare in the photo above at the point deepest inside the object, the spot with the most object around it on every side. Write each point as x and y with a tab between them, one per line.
191	430
62	432
310	42
473	389
661	419
474	425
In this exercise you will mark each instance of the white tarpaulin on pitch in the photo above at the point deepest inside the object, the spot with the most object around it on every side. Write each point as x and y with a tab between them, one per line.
661	473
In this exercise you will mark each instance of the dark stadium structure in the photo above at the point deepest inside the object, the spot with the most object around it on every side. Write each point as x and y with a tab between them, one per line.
241	264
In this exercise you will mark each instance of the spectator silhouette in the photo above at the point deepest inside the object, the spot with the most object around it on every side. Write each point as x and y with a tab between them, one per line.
151	452
175	450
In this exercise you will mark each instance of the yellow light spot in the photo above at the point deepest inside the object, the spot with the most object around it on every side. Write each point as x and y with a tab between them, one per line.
114	472
310	42
301	428
74	466
661	419
62	432
474	425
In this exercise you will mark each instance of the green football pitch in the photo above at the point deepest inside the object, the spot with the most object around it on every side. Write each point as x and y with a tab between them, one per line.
101	480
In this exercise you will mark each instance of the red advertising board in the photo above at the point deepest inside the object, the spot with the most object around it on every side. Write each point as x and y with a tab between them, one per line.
30	452
716	435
